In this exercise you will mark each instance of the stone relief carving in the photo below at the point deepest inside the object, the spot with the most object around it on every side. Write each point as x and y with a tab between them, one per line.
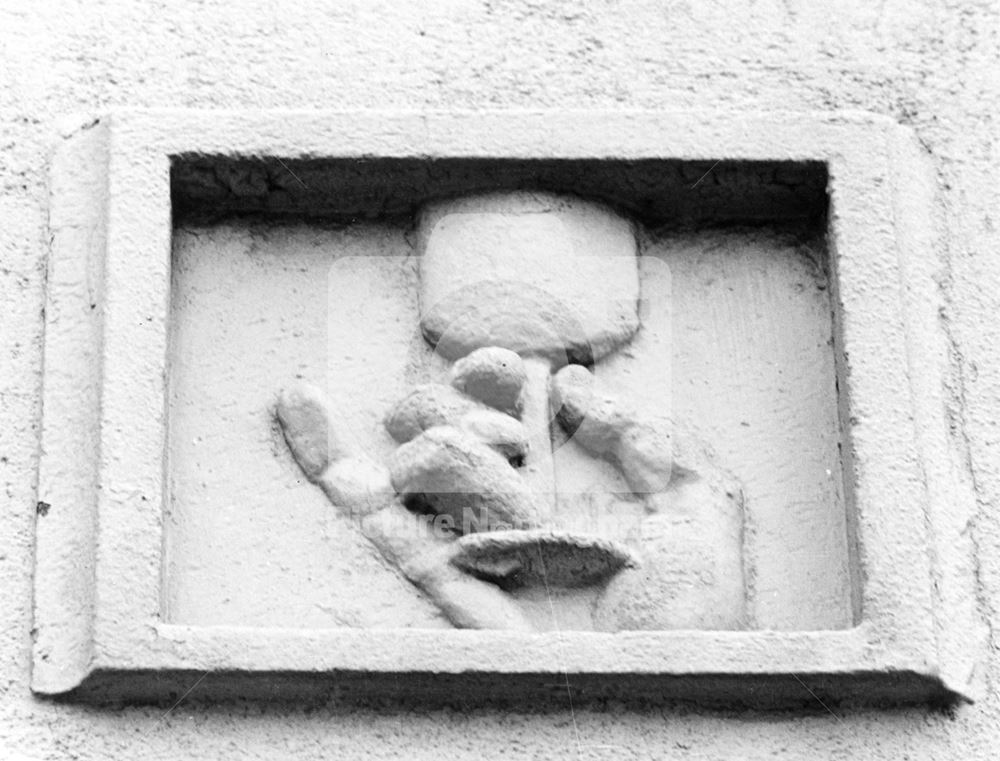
192	564
525	293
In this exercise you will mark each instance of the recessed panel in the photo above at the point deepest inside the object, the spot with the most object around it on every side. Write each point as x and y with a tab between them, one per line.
727	364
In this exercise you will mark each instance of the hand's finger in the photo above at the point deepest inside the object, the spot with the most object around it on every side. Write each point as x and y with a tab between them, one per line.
492	375
501	432
434	405
305	420
595	420
645	453
426	406
608	427
456	474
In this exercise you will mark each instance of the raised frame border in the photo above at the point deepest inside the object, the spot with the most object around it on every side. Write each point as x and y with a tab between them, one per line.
101	480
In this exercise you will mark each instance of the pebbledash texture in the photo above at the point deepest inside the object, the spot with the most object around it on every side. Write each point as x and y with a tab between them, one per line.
812	189
513	484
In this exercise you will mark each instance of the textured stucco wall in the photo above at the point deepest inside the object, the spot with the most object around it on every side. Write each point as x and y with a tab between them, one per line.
933	66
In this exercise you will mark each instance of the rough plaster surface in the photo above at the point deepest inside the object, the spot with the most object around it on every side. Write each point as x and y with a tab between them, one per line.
931	66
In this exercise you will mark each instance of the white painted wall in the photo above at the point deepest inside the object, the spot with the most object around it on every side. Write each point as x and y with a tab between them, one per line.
933	66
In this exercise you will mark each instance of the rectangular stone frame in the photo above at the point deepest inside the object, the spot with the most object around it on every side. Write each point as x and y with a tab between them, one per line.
102	471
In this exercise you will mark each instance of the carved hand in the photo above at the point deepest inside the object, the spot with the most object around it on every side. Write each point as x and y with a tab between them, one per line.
364	490
691	574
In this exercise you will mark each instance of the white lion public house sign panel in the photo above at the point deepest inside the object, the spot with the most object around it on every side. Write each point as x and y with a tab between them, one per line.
636	403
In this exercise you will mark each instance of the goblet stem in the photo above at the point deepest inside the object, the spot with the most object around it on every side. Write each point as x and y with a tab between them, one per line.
539	465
